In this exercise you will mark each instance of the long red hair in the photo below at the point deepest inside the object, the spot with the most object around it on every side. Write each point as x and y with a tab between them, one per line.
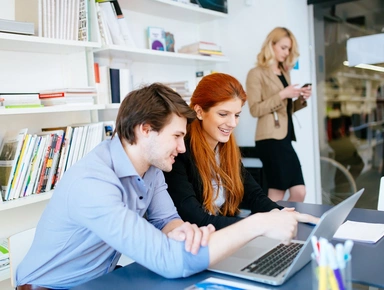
211	90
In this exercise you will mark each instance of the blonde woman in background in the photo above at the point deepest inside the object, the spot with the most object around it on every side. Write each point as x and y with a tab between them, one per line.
270	96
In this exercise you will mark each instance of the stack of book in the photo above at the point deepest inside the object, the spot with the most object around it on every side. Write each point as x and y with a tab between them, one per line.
34	163
113	26
4	255
113	84
20	100
202	73
182	88
60	19
203	48
68	96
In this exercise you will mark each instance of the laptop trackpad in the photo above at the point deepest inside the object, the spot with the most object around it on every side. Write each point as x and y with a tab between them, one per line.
255	248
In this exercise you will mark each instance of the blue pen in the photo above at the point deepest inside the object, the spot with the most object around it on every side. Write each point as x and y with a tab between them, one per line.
348	244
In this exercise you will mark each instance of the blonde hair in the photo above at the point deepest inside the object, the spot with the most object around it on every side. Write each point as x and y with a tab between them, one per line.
266	56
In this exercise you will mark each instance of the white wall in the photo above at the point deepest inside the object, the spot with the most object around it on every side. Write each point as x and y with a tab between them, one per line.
241	37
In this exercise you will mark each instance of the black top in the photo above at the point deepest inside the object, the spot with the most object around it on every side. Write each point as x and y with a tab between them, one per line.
186	189
291	131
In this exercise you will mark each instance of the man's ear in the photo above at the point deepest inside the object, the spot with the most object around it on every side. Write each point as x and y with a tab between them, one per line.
145	129
198	111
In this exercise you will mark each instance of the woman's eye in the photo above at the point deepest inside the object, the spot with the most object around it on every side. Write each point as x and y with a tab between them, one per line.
222	114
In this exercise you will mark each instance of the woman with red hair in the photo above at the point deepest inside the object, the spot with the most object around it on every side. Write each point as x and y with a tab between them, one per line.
208	183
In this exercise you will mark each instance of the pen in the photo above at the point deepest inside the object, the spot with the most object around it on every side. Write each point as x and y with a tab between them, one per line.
336	279
348	244
322	265
315	246
340	256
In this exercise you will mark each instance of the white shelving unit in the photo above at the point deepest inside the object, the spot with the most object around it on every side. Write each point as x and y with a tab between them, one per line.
156	56
172	9
34	198
25	43
51	109
54	62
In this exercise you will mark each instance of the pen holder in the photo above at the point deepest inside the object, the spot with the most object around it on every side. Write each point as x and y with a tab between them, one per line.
326	278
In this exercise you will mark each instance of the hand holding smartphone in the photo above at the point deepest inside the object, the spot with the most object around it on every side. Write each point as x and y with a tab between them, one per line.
304	95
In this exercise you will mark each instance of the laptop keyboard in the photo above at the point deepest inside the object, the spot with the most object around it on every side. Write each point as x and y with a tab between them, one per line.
275	261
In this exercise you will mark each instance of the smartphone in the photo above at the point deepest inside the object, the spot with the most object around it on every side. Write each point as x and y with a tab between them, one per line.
306	85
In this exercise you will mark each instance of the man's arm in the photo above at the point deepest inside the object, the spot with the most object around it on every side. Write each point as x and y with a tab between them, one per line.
279	225
193	236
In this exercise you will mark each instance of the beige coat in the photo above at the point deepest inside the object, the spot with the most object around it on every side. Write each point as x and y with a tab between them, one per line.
263	88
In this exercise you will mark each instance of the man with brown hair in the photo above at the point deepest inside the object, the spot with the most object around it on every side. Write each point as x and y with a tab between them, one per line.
96	212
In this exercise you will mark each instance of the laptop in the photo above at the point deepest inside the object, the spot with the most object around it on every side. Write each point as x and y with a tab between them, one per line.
253	261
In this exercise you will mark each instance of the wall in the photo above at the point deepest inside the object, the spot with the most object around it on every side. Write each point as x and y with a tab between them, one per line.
247	27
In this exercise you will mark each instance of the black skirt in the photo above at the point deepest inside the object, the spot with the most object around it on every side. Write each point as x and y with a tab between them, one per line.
280	162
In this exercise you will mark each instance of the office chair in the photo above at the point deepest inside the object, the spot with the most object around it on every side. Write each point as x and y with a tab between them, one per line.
19	245
380	203
337	183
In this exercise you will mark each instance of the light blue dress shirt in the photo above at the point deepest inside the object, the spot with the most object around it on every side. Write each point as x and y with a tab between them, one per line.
96	213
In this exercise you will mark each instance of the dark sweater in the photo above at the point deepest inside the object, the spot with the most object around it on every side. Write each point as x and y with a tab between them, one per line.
186	189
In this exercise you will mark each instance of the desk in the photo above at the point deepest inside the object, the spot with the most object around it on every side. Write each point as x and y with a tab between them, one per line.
367	263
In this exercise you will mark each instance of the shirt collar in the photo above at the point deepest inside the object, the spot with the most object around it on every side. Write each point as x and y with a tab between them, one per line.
122	164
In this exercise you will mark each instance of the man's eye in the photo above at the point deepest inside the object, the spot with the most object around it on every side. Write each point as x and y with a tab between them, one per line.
237	115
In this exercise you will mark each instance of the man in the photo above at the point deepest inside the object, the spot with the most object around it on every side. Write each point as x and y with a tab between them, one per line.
97	209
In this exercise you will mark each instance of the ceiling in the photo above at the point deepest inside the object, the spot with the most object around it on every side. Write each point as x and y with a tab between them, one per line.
368	14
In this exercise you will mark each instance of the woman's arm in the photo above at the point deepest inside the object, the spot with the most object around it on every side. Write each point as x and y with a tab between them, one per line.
254	197
260	105
182	182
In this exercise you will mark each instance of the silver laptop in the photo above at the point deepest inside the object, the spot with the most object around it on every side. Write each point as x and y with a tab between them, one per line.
253	261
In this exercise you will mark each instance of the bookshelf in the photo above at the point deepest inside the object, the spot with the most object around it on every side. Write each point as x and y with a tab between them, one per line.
51	109
34	198
172	9
188	23
25	43
32	63
155	56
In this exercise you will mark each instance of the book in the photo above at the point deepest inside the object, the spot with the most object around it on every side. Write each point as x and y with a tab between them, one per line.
17	27
123	25
83	21
9	156
124	82
64	154
156	38
108	13
30	11
114	75
28	177
4	253
203	45
103	88
36	167
12	187
26	161
43	165
222	284
55	159
105	34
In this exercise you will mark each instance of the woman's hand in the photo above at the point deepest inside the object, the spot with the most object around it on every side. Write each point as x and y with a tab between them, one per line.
306	92
292	91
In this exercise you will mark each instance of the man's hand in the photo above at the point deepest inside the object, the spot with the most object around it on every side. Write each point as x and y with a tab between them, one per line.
193	236
282	225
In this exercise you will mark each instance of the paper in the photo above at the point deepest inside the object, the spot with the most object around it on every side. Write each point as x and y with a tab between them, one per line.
216	283
359	231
